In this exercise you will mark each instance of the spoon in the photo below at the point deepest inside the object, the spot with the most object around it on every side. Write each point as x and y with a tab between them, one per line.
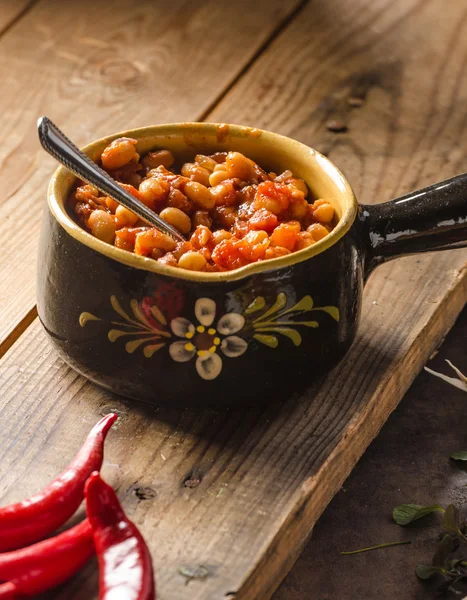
62	149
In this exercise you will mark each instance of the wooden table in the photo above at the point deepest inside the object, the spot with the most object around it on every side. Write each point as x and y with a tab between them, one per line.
237	493
407	462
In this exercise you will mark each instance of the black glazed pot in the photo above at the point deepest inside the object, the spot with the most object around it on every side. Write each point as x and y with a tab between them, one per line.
168	336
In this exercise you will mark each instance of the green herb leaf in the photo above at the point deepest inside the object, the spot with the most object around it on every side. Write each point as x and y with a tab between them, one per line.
451	520
427	571
462	455
445	547
407	513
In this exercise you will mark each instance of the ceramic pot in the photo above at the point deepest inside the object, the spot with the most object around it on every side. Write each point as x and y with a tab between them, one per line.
165	335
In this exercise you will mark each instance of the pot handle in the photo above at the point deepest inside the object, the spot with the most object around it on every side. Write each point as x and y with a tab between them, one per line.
433	218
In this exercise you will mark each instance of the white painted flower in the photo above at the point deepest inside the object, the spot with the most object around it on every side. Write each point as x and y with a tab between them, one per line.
204	340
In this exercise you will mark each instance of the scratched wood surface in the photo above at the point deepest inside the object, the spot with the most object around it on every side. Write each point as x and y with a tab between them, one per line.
239	493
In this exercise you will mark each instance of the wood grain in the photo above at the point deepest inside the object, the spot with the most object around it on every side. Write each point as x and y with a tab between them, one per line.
11	10
239	492
151	63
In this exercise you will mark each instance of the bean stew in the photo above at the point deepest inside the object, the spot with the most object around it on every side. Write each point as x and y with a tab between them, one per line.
231	211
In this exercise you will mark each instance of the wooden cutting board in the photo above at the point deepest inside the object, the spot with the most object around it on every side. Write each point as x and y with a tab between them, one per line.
236	493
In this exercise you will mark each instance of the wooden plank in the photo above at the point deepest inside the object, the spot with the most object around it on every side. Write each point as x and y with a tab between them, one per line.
152	62
11	10
265	476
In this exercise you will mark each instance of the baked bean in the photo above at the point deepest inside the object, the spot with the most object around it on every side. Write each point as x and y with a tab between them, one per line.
177	218
111	204
146	241
200	237
298	209
237	212
206	161
218	177
224	193
120	152
201	217
196	172
304	239
102	225
324	212
125	217
220	235
276	252
239	166
192	261
273	197
299	184
154	191
318	231
158	158
86	192
199	194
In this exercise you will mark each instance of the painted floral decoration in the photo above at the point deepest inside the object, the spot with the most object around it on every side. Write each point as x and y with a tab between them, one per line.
209	340
205	341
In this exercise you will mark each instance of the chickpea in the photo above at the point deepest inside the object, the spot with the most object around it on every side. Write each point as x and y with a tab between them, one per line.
102	225
239	166
199	194
192	261
177	218
206	161
218	177
125	217
318	231
201	217
324	213
120	152
196	172
220	235
158	158
153	191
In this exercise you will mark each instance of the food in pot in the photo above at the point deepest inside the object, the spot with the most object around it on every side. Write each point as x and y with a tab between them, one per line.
232	212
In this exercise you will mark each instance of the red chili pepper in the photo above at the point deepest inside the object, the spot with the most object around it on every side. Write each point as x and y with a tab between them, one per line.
28	521
45	565
125	566
8	591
